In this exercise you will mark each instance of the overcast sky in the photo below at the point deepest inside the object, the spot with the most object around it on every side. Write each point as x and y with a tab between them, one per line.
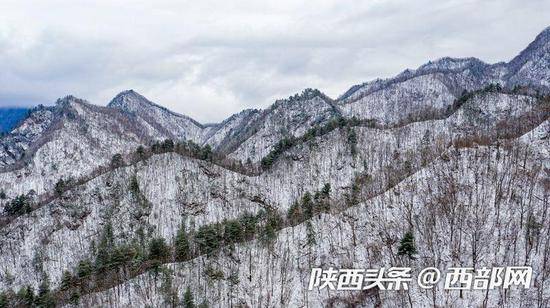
209	59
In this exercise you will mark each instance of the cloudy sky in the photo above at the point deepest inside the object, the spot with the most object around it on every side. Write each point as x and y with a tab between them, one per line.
209	59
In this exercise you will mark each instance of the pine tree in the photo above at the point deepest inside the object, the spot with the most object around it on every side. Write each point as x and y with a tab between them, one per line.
75	297
310	234
158	249
233	231
206	152
168	145
117	161
352	140
3	300
66	280
188	301
294	213
60	187
84	268
104	248
140	151
182	245
272	224
207	239
45	298
18	206
267	161
407	246
307	205
134	185
26	296
326	190
249	223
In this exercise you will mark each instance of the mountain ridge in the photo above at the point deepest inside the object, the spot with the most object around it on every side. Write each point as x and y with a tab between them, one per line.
431	89
131	205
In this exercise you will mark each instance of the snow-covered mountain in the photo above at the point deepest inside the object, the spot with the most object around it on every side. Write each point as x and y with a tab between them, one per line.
434	86
170	124
455	152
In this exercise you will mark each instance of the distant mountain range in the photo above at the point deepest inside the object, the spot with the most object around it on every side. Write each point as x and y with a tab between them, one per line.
10	117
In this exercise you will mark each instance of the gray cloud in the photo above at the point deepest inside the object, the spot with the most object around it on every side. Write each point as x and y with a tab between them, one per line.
214	58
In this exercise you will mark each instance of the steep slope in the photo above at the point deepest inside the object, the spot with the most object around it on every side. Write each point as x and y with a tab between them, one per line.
221	135
288	117
66	141
433	86
21	138
530	67
170	124
366	236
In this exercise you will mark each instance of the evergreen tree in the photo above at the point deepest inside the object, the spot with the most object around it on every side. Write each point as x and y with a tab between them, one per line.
168	145
158	249
45	298
188	301
267	161
134	185
310	234
208	239
307	205
117	161
156	147
326	190
206	152
249	223
352	140
26	296
3	300
66	280
233	231
294	214
75	297
60	187
407	246
84	268
104	248
182	245
272	224
18	206
140	151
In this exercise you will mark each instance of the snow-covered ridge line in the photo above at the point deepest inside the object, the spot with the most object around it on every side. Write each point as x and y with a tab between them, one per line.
224	162
501	72
124	98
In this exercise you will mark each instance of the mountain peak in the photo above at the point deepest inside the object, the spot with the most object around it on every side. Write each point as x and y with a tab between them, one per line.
541	40
128	100
306	94
132	102
538	48
449	64
68	101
